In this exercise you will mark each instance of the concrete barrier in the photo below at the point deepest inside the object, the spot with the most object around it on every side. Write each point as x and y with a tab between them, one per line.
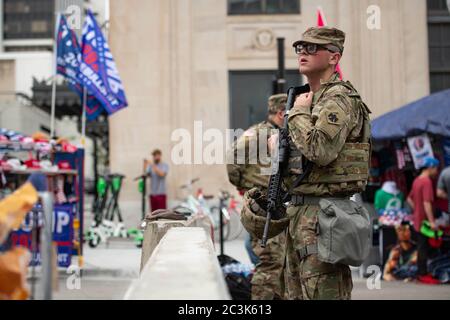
153	234
156	230
183	266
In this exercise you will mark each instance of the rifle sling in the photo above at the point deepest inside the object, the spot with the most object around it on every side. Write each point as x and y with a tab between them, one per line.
303	176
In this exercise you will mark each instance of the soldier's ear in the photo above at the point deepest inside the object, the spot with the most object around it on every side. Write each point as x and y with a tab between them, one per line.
335	58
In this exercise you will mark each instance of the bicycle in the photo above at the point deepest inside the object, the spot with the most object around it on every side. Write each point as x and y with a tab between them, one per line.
197	205
230	209
228	206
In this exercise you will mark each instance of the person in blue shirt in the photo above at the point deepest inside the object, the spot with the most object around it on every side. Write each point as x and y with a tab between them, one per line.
157	171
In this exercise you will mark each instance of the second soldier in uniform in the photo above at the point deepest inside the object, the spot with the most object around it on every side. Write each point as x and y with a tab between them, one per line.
267	282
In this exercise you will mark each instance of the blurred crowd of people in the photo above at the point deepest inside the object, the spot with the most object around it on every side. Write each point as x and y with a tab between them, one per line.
422	226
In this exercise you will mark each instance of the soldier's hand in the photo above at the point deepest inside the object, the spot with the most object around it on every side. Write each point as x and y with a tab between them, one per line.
304	100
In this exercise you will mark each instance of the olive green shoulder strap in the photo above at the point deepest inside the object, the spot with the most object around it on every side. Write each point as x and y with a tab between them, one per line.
366	130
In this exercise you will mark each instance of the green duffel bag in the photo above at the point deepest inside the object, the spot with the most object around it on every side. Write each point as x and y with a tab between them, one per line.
344	232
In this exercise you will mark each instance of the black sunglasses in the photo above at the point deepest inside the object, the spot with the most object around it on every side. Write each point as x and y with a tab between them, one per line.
312	48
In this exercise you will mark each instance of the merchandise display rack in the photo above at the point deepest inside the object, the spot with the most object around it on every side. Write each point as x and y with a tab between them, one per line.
56	155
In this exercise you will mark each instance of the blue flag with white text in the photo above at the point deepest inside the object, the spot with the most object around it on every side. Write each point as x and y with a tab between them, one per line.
68	61
98	70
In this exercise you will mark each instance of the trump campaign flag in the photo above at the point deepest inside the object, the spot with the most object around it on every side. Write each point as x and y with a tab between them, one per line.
68	59
98	70
68	53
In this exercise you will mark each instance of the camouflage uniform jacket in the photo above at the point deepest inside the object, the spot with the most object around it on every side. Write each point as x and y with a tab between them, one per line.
337	117
247	174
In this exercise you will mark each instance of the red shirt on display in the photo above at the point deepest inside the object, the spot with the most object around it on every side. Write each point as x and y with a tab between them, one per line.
422	191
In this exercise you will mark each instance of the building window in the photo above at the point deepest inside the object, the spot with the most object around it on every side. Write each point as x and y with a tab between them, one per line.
439	44
249	106
247	7
28	19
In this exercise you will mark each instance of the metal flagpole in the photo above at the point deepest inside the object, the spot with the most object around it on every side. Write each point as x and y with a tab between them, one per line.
83	119
55	52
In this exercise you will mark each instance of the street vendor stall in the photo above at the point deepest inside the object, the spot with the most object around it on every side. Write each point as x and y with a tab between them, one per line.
63	165
401	140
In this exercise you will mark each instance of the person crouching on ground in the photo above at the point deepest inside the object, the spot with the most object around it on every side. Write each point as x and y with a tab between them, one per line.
402	262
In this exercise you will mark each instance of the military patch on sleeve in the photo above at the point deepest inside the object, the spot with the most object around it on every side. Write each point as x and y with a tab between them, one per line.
333	118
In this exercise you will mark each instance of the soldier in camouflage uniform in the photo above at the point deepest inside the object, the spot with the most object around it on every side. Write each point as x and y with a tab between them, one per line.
330	128
267	282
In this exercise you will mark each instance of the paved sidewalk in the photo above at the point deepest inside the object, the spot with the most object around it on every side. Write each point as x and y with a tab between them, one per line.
120	259
93	288
109	271
389	290
399	291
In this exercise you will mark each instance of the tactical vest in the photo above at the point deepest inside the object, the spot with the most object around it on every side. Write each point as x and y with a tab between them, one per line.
248	175
350	171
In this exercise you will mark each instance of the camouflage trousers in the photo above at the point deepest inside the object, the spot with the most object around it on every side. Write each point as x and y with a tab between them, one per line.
268	279
311	279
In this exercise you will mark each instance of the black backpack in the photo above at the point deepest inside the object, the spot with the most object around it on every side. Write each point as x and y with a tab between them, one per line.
239	285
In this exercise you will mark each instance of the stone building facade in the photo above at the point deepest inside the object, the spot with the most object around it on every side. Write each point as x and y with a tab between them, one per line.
178	60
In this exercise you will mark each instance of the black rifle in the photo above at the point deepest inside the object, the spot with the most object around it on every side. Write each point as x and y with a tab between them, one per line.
275	197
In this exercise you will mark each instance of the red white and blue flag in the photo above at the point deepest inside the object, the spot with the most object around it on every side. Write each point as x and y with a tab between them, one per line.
68	53
98	71
68	60
92	66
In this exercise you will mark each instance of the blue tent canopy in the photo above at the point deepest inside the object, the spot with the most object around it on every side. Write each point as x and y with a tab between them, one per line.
427	115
